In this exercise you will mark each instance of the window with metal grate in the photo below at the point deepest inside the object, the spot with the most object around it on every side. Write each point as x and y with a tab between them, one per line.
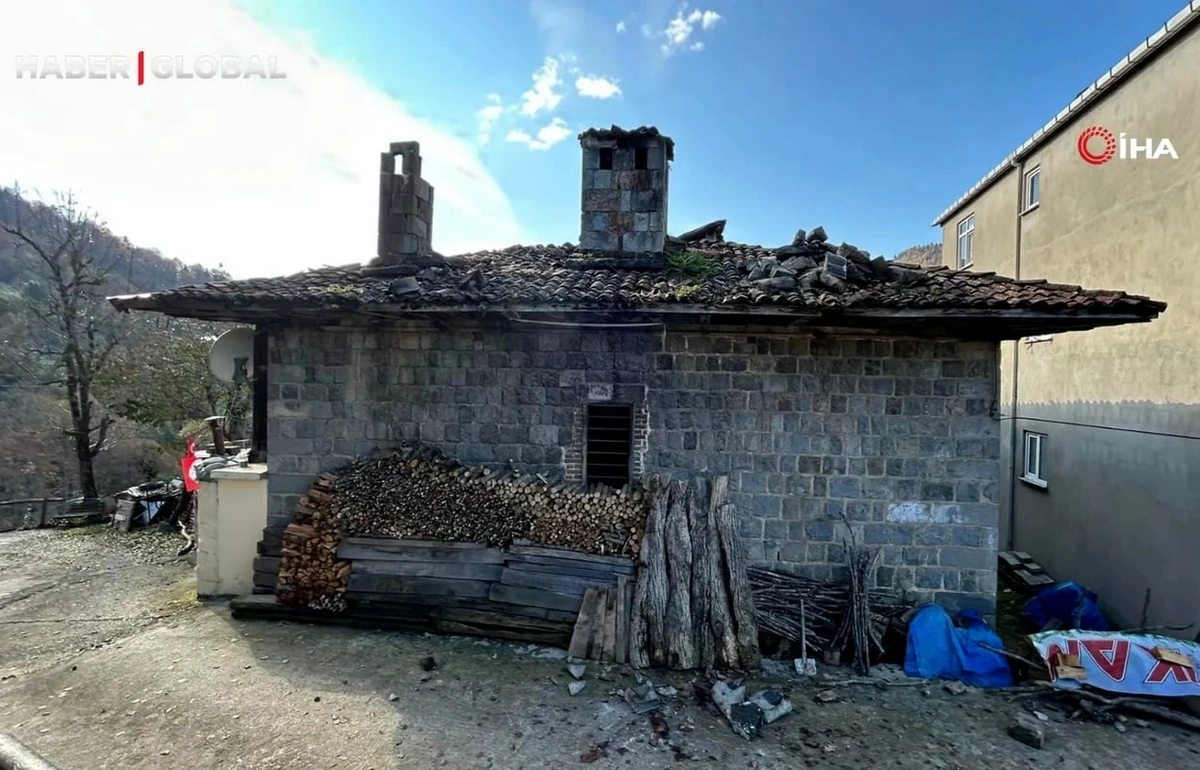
608	444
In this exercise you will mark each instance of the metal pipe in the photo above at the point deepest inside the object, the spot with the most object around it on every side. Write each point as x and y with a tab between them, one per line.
1013	454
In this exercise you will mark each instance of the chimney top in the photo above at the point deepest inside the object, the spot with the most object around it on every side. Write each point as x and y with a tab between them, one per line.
624	207
642	134
405	206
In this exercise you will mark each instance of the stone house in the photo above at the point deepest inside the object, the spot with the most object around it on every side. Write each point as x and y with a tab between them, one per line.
834	389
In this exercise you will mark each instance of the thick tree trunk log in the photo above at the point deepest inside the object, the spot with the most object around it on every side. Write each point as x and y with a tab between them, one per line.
721	615
701	588
654	559
741	599
680	633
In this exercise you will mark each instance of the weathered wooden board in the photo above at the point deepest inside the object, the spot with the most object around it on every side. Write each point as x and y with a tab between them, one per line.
616	562
606	647
621	653
433	569
268	564
532	597
557	583
356	551
585	626
600	576
488	618
267	580
402	544
535	636
424	586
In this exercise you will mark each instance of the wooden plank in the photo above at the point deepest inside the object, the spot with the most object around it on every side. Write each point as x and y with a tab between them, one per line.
266	564
393	552
557	583
402	544
581	637
400	584
596	643
1171	656
488	618
621	633
535	636
608	646
563	553
514	559
532	597
601	576
433	569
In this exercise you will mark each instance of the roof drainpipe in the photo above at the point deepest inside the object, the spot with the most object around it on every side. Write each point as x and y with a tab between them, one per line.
1014	453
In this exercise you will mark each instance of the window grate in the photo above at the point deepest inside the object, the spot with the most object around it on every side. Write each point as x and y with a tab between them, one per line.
608	444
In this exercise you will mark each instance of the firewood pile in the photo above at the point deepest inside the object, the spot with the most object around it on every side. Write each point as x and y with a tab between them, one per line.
417	492
692	604
310	572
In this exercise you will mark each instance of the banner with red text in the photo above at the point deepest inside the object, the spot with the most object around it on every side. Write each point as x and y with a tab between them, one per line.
1134	664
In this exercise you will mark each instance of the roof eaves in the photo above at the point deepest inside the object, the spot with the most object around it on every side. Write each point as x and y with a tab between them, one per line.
1093	93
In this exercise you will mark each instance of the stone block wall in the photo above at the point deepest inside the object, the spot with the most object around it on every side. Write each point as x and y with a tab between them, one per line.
405	204
897	437
624	205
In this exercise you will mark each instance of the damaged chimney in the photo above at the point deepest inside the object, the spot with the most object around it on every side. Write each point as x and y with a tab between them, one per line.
405	206
625	189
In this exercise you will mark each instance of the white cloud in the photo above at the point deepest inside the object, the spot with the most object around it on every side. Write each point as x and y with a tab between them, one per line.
547	136
620	27
596	87
488	116
543	97
264	176
680	29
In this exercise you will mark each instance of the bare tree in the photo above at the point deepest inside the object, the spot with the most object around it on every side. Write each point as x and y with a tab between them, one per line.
77	254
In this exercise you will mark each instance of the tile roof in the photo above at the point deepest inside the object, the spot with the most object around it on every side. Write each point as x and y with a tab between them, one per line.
706	274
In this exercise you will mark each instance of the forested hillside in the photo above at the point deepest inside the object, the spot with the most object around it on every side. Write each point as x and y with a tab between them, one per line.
92	400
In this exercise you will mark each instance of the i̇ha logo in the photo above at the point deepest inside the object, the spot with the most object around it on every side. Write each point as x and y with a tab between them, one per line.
1097	146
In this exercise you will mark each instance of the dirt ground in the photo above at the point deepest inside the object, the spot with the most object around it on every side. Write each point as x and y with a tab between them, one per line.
107	661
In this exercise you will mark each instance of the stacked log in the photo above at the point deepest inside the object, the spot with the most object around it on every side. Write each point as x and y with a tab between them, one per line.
310	572
418	492
692	604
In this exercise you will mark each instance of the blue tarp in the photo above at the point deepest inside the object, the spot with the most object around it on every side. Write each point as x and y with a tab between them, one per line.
1069	603
937	649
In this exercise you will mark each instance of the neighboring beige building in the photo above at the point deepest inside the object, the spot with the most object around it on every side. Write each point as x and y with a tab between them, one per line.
1103	429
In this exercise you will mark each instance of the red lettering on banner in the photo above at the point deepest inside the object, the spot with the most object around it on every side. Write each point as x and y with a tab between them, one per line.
1162	669
1110	655
1054	651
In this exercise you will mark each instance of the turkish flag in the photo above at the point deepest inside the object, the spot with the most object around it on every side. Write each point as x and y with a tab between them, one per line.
189	467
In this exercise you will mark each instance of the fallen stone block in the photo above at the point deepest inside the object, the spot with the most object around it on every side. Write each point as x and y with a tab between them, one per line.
1028	730
773	705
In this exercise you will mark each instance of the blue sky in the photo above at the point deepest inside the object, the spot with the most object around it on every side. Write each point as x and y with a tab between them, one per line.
868	117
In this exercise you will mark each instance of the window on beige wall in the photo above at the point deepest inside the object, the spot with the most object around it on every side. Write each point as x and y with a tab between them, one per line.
1032	192
1035	456
966	242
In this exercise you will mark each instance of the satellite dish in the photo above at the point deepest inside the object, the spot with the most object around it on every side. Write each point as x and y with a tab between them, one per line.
231	356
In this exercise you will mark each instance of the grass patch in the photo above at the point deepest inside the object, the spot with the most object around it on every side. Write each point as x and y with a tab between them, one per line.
85	531
181	594
691	264
687	291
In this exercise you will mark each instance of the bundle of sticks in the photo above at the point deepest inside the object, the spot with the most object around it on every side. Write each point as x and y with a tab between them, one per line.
859	631
418	492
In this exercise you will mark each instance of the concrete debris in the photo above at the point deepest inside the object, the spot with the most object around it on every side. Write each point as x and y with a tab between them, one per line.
1028	730
745	719
576	687
643	698
773	705
667	691
828	696
577	670
955	688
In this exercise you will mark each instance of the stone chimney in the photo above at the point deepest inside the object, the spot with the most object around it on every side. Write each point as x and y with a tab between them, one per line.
405	206
625	189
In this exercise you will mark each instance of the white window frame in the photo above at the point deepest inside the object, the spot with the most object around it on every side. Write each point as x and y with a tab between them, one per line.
966	230
1027	201
1035	459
